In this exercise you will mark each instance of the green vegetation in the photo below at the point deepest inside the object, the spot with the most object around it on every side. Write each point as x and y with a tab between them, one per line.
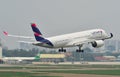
20	74
49	76
45	70
15	74
61	66
10	67
97	72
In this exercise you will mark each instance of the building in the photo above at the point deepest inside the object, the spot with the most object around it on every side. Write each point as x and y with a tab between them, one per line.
52	58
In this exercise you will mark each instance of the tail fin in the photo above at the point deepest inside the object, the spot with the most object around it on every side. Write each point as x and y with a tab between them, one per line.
35	29
38	35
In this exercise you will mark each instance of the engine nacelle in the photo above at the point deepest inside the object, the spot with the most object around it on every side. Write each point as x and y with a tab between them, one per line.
98	43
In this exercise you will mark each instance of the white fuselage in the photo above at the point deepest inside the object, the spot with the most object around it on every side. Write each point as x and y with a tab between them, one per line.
69	40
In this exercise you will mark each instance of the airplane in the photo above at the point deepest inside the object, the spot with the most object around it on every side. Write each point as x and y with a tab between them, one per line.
95	37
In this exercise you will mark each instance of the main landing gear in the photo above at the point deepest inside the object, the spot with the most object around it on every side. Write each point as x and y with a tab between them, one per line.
79	50
62	50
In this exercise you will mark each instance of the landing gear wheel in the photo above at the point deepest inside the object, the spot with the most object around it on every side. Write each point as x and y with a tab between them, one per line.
62	50
79	50
82	51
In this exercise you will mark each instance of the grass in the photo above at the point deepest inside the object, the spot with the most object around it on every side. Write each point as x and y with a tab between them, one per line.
97	72
20	74
41	71
49	76
14	74
62	67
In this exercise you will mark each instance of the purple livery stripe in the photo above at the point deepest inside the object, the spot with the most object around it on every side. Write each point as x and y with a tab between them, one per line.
38	35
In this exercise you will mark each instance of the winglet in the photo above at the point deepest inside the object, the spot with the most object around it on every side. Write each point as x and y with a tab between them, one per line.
111	35
5	33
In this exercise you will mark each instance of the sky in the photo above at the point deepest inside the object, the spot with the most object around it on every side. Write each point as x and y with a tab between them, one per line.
56	17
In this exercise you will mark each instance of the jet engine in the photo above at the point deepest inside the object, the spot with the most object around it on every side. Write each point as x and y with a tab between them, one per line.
98	43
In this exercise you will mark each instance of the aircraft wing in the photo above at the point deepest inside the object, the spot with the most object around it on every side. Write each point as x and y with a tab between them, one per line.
17	36
81	41
33	43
